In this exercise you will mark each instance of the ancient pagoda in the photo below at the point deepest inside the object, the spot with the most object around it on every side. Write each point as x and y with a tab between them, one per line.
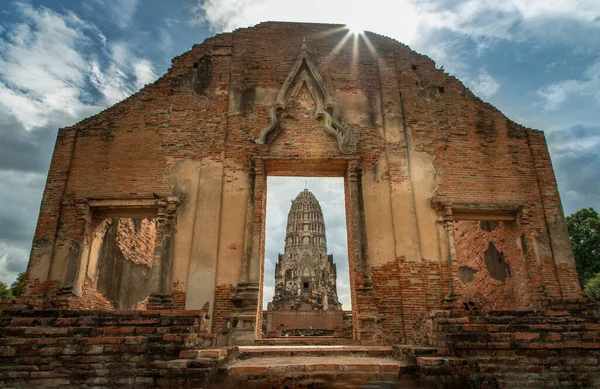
305	275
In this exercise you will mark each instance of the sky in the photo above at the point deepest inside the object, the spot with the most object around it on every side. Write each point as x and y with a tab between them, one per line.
538	61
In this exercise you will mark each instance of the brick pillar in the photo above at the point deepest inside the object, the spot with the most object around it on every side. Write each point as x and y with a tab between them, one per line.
366	322
557	243
161	298
454	294
39	281
245	325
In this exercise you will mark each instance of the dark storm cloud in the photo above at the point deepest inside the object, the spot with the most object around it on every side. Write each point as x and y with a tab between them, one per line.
21	150
21	193
578	132
576	159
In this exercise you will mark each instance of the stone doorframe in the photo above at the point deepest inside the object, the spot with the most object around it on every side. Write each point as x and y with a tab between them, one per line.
96	210
247	318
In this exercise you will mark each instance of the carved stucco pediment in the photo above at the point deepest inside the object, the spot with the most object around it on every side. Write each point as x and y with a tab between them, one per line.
305	73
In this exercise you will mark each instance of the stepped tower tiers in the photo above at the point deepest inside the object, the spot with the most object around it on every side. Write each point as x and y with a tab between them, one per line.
305	275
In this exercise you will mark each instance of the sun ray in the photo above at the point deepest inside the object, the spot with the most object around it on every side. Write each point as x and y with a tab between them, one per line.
337	48
370	46
355	55
332	31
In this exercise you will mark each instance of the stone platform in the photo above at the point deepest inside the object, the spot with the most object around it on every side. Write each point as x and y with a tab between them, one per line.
308	366
338	371
558	347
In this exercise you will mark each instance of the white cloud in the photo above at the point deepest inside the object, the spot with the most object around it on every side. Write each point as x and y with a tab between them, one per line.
396	19
13	260
165	40
144	73
124	75
405	20
484	85
556	94
41	70
512	19
124	10
45	68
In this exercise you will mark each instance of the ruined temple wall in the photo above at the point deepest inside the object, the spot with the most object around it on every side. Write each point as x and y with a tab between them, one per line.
424	140
484	160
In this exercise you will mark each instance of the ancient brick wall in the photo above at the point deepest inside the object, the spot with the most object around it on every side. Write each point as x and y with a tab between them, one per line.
136	239
80	349
558	347
223	308
425	144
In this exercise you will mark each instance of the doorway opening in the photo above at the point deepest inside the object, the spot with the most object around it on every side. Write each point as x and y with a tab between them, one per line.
306	288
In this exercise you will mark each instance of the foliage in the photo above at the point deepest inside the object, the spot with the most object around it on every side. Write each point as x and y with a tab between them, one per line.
584	232
5	292
15	290
18	286
592	287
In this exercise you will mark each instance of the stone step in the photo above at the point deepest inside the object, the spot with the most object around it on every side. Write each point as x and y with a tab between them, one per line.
306	340
418	350
331	371
439	361
246	352
215	353
524	317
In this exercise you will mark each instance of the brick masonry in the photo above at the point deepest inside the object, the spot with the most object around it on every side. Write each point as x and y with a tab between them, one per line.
558	347
81	349
485	291
182	150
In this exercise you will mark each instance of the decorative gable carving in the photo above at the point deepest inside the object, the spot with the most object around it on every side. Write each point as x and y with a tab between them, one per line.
305	73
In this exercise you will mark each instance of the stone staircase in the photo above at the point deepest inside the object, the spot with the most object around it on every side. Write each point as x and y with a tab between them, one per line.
322	366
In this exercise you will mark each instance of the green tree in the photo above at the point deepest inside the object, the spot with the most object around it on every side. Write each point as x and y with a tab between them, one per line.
592	286
5	292
18	286
584	232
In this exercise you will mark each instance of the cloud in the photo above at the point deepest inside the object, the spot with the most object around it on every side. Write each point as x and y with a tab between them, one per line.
555	95
407	20
123	11
21	193
396	19
41	69
123	75
512	20
484	85
118	12
576	158
55	69
330	193
13	260
21	150
46	66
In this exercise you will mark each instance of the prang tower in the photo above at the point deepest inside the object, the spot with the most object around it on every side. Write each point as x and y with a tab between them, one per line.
305	275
